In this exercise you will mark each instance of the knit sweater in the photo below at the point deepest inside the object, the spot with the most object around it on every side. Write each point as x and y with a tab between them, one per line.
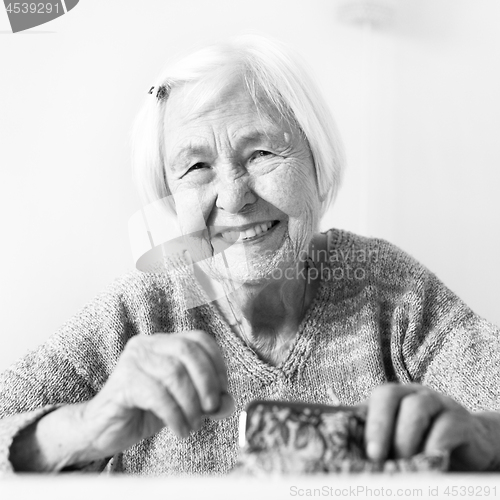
378	316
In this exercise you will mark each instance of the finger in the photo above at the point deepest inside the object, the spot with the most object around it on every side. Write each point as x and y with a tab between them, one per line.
206	344
197	363
414	419
171	373
202	373
148	394
146	357
449	432
467	437
213	352
226	409
380	422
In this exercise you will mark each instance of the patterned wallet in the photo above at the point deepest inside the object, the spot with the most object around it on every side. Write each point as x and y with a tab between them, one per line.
298	438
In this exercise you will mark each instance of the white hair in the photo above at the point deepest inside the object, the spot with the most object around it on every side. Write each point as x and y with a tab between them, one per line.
266	67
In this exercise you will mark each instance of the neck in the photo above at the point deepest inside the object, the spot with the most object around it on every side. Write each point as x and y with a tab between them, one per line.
267	315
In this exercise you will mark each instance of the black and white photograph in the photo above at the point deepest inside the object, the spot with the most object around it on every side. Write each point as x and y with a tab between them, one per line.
250	249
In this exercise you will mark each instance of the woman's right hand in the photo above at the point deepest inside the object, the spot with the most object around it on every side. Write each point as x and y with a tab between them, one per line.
171	380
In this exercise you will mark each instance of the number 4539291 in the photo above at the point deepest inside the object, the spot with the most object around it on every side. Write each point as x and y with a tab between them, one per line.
32	8
470	491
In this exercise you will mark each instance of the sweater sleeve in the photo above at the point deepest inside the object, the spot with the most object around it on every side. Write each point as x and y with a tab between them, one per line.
70	367
438	341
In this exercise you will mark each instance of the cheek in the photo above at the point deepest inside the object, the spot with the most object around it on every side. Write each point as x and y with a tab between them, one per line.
191	208
290	188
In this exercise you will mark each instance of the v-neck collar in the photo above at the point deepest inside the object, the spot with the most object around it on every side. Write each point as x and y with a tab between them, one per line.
297	354
309	328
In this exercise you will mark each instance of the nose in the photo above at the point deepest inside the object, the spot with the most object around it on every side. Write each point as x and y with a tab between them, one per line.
233	195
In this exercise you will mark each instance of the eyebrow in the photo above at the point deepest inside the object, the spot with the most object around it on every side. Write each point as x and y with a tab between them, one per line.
193	147
257	135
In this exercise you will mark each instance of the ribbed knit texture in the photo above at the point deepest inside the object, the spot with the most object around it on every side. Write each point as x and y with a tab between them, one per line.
391	321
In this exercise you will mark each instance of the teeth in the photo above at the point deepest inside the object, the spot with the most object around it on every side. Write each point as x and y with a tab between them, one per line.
248	233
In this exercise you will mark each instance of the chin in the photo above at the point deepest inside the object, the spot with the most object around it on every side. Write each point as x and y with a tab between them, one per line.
257	268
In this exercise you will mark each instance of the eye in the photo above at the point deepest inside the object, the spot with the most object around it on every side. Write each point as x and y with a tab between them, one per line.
260	154
198	166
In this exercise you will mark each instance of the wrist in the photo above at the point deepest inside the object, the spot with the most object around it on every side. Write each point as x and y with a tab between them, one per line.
68	438
56	441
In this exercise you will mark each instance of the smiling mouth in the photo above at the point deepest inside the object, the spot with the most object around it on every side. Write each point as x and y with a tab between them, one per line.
249	233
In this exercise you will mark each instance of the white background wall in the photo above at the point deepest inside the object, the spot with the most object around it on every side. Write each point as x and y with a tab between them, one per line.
417	104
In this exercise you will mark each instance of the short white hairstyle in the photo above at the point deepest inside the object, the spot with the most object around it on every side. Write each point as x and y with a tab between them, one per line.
267	67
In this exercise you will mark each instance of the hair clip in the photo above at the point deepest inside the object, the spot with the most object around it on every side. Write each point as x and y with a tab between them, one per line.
162	92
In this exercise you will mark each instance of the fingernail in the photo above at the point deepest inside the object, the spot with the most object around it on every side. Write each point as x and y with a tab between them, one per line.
185	431
374	451
211	404
226	408
197	424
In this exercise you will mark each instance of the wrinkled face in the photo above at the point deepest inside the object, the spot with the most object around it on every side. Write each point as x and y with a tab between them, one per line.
246	174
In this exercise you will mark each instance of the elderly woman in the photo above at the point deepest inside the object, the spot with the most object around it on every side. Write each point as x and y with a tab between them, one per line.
240	141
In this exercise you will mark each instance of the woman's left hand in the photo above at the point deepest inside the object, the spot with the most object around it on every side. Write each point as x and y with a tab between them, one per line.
404	420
